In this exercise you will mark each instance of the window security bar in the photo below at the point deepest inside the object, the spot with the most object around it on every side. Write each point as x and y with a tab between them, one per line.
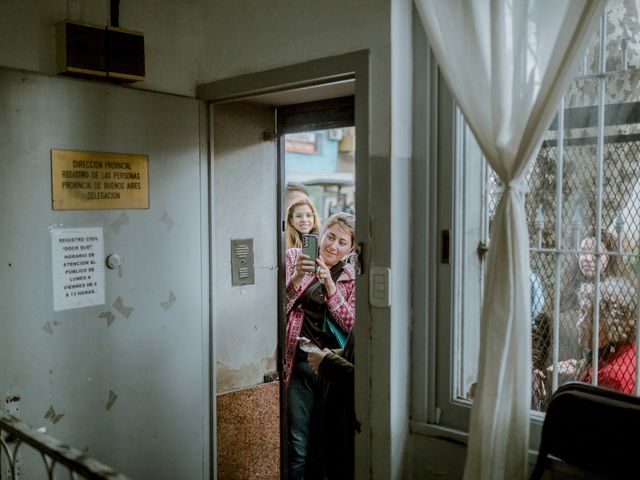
578	251
14	433
555	334
595	187
583	215
599	181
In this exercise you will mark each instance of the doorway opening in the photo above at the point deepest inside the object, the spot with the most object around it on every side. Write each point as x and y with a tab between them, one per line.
248	194
316	158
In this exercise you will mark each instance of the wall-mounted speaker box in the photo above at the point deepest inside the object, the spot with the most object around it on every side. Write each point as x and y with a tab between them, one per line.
125	54
99	51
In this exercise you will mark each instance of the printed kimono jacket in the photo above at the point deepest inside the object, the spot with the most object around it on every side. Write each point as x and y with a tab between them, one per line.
342	306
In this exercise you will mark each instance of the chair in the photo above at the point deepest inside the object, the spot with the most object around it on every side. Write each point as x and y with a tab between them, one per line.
593	428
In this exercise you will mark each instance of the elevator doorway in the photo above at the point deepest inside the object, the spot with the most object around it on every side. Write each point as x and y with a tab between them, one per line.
249	177
322	79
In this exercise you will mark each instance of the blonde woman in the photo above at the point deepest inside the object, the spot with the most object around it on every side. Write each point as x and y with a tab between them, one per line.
302	218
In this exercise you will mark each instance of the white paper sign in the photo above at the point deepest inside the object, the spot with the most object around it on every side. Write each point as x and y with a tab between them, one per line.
78	267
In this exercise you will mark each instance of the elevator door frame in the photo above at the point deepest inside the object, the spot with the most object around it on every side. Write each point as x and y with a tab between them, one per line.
351	66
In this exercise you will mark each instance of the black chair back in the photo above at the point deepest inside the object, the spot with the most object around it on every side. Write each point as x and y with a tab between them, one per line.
593	428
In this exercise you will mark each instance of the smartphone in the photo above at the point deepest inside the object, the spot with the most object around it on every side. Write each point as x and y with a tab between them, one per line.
310	247
307	345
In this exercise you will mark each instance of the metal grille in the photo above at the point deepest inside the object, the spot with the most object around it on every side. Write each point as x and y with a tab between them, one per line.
563	295
583	213
575	291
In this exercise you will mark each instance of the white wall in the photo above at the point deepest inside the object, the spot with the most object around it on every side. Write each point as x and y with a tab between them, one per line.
245	36
27	33
244	190
399	328
200	41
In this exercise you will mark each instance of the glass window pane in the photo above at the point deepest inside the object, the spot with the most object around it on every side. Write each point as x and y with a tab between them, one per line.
583	214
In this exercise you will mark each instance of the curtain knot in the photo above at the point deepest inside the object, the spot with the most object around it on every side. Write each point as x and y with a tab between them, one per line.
519	186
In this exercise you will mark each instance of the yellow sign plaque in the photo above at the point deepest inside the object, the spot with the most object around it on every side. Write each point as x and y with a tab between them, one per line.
98	181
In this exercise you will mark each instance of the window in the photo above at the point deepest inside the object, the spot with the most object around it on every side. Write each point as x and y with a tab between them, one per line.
583	211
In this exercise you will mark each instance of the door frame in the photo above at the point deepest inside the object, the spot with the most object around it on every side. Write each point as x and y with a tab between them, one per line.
354	65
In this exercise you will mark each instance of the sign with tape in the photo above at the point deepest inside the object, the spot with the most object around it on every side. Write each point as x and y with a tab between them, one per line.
77	256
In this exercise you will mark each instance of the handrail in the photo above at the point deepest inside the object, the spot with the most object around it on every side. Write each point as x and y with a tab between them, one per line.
52	451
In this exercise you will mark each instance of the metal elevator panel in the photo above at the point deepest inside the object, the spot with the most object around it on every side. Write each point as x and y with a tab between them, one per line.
242	265
127	380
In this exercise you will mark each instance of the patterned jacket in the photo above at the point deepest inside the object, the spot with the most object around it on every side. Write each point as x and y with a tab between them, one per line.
342	306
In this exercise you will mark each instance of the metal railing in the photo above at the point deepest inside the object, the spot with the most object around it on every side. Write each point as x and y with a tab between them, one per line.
14	434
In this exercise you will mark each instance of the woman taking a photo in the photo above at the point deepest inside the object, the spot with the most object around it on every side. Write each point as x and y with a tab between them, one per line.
320	306
302	218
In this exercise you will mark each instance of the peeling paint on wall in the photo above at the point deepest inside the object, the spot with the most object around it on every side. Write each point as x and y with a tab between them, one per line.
53	416
111	400
167	305
12	405
108	316
120	307
48	328
229	378
116	225
168	221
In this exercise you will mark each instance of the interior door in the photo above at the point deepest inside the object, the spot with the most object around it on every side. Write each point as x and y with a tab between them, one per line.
245	301
126	381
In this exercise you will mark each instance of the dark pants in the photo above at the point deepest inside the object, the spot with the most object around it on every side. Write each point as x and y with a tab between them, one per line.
306	399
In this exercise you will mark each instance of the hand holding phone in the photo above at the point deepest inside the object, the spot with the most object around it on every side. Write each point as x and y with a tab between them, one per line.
310	248
307	345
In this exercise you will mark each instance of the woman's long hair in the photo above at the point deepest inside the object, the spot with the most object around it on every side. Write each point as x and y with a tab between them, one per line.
291	234
618	309
573	278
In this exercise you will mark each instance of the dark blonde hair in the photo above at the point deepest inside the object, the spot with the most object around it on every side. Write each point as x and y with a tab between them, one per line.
573	277
618	310
346	220
291	234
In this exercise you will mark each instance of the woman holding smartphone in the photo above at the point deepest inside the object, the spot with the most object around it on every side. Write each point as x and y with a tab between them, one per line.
302	218
320	307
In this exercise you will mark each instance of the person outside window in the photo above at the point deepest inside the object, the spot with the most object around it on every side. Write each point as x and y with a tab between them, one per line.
582	272
578	279
579	297
616	336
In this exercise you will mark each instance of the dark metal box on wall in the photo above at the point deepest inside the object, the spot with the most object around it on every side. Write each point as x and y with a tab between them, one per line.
100	51
242	265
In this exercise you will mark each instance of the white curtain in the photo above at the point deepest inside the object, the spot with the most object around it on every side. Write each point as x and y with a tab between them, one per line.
508	63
